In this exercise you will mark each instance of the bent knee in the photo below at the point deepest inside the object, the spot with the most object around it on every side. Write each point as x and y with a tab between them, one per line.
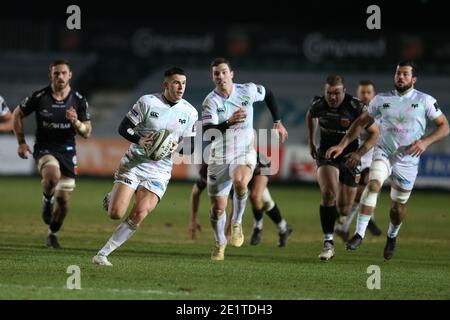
374	186
116	212
217	212
240	186
328	196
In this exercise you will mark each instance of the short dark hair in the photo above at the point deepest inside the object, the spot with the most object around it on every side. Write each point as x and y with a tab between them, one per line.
174	70
334	80
408	63
58	62
220	60
366	82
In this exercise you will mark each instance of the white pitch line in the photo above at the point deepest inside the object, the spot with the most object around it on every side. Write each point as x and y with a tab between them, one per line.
113	290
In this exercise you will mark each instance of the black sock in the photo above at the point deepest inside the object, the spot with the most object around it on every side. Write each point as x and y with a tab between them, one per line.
258	214
327	218
55	226
275	214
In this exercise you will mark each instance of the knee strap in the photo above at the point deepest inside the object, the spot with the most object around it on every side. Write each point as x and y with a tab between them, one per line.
66	184
400	196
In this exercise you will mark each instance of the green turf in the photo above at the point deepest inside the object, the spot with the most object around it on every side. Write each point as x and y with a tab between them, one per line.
161	262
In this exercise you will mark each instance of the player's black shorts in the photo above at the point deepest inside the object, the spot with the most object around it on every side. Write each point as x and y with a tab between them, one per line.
203	172
67	158
347	176
364	174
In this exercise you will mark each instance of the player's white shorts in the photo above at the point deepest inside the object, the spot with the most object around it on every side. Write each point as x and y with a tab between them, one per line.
366	160
135	174
403	173
220	181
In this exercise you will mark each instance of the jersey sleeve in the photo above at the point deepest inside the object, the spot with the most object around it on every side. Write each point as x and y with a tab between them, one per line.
28	105
82	111
138	111
314	109
191	128
257	91
374	107
359	107
209	112
3	107
432	109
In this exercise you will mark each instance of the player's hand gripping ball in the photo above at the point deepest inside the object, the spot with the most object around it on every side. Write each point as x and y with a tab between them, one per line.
161	146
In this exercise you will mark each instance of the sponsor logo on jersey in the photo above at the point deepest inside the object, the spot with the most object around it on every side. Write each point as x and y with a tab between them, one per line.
219	110
386	105
56	125
182	121
154	114
414	105
45	113
259	89
58	105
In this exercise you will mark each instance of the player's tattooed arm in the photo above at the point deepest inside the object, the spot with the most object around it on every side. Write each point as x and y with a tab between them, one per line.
363	121
354	158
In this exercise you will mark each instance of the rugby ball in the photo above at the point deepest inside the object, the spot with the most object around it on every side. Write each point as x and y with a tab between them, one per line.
162	143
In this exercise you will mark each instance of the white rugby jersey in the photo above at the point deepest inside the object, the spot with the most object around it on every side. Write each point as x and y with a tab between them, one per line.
3	107
402	120
152	113
239	137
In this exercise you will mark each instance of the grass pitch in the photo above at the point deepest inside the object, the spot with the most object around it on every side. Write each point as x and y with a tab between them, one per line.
161	261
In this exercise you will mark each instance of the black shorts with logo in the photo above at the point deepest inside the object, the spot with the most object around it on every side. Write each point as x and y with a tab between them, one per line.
66	157
347	176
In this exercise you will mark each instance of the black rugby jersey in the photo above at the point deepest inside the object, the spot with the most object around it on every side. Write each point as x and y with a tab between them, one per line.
334	123
53	129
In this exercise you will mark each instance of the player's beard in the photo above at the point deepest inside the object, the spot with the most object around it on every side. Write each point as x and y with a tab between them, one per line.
59	86
404	88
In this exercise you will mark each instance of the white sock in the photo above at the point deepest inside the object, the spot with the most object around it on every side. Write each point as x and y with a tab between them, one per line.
258	224
218	226
50	232
328	237
393	230
123	232
346	225
282	226
361	224
238	207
